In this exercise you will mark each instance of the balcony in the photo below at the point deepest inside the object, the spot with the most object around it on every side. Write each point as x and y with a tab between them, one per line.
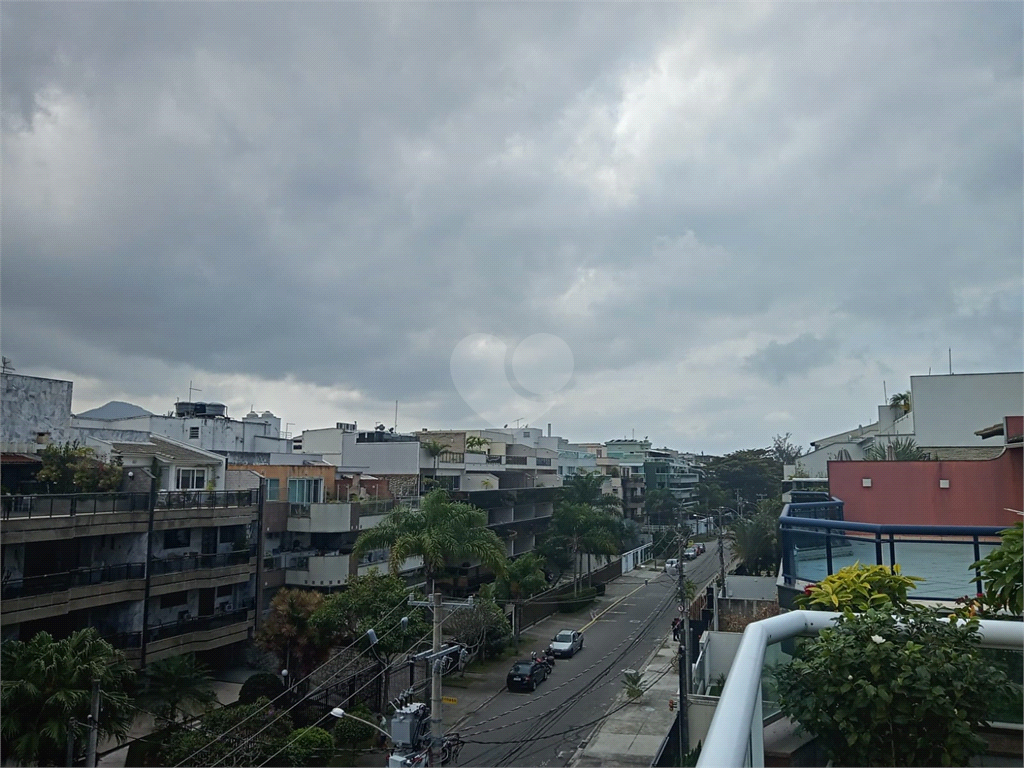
817	542
736	734
314	570
38	597
206	499
197	571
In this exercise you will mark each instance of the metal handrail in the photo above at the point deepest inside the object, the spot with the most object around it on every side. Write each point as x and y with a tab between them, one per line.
887	528
736	734
49	583
196	562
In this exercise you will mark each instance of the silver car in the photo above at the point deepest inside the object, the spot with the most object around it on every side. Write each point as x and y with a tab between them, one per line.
566	643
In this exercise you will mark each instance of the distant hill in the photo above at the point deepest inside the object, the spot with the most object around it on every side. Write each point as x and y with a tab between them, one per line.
115	409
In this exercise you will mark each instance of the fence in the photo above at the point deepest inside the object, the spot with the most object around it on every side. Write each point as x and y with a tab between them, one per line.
81	577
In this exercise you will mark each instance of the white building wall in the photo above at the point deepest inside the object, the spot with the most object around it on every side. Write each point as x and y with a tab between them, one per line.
31	405
388	458
949	409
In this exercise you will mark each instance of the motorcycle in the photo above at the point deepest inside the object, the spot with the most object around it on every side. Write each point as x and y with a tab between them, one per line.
549	656
543	659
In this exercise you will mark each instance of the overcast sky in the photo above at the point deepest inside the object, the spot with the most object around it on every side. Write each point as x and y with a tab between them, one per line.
708	223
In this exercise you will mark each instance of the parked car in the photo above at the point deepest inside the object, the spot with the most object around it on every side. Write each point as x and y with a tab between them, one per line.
526	675
566	643
671	565
690	553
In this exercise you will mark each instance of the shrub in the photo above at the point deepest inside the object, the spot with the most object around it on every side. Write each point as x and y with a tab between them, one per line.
883	690
310	746
260	684
350	733
1002	573
857	588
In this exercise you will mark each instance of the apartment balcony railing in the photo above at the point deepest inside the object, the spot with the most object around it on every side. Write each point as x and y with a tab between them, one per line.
542	462
451	457
80	577
198	562
736	734
521	460
495	459
206	499
70	504
129	640
814	547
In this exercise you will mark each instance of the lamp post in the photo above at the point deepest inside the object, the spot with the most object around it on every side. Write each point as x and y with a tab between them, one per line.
339	713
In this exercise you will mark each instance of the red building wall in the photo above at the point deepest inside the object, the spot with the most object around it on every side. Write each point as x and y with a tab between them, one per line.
908	492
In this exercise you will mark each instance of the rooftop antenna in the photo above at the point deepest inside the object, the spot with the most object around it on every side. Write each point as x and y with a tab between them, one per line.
885	395
396	416
950	361
517	422
191	389
6	364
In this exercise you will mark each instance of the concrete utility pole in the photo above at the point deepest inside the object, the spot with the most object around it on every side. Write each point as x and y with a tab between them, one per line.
684	650
721	565
94	726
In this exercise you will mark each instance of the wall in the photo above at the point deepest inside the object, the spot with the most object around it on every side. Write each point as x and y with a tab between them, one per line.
908	491
322	440
387	458
949	409
283	473
30	405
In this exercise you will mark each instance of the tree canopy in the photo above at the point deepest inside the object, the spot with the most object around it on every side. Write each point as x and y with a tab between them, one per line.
74	468
289	633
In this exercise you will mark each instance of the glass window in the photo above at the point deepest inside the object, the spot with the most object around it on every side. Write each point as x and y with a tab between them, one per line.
177	538
174	599
273	489
305	490
189	479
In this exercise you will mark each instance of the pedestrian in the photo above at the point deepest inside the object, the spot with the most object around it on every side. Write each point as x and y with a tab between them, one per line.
675	629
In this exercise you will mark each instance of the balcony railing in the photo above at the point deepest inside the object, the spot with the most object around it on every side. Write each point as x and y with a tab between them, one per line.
515	459
451	457
542	462
495	459
80	577
206	499
71	504
198	562
816	547
127	640
736	734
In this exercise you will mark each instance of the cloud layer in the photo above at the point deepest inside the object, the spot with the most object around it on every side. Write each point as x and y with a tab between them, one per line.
741	219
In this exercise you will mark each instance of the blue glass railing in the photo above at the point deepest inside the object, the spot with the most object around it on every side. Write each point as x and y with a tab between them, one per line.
817	542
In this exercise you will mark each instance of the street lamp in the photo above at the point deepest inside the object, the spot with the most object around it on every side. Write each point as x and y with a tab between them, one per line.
284	674
339	713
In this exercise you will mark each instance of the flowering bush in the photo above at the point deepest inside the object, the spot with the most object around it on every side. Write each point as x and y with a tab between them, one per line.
878	689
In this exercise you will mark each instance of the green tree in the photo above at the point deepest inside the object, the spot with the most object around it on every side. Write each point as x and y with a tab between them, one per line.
901	400
523	579
476	444
661	507
262	684
288	632
244	735
441	530
580	528
74	468
898	449
48	682
586	488
175	686
310	746
372	602
481	629
350	732
783	450
755	540
753	474
1002	574
880	689
434	448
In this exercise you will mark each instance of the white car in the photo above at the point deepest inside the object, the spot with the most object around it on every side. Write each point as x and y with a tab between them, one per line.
566	643
671	565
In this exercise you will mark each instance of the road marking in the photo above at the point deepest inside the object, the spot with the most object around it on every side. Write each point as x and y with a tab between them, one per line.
595	618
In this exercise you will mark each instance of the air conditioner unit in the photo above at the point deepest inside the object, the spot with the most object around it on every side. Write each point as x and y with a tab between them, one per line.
228	606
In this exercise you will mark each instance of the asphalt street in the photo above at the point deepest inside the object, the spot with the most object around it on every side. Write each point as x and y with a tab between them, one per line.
544	728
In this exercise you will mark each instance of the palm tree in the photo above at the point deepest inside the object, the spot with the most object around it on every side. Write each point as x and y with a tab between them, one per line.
476	444
585	488
171	685
901	400
440	530
755	540
47	683
899	449
435	448
523	579
580	528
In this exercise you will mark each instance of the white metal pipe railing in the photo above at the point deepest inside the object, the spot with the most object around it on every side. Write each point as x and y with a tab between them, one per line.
740	703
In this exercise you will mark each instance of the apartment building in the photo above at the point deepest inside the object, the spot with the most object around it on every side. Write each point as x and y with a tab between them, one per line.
167	565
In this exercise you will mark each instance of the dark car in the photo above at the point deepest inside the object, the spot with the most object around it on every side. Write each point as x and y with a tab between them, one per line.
526	675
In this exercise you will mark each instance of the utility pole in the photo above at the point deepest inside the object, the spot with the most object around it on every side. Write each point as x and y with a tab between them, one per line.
684	651
94	726
72	724
721	565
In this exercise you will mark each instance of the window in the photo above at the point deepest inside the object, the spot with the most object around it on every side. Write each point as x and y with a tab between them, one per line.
189	479
177	538
305	490
230	534
174	599
193	433
273	489
225	591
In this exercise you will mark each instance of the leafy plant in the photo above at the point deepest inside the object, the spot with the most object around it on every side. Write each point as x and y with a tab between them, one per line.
171	685
859	587
289	633
1002	573
74	468
877	689
48	682
899	449
350	733
633	683
245	735
310	746
262	684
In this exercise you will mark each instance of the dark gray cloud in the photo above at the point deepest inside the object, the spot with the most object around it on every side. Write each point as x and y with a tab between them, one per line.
334	195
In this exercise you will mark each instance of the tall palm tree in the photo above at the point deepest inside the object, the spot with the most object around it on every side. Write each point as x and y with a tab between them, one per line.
585	488
755	541
434	448
581	528
901	400
440	530
46	683
523	579
476	444
177	685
